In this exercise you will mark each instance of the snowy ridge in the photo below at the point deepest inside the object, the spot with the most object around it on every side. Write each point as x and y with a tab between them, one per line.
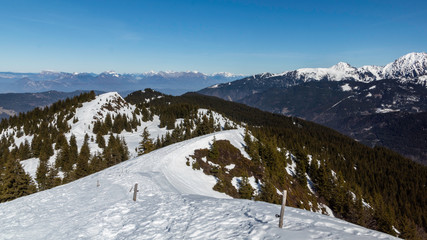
174	202
85	117
338	72
411	67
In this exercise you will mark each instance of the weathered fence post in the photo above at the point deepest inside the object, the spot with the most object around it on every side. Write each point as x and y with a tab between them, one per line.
282	210
135	190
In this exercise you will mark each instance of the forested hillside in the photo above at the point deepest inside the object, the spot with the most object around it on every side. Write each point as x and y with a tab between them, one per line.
373	187
76	137
322	170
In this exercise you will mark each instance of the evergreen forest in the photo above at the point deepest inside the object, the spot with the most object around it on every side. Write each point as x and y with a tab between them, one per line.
373	187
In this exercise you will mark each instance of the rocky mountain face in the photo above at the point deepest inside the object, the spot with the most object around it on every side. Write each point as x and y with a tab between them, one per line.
169	82
375	105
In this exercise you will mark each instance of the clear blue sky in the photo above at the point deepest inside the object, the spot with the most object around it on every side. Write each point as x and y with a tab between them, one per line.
240	36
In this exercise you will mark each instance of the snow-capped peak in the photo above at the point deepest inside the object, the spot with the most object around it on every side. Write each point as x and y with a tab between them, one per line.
112	73
410	65
226	74
337	72
342	66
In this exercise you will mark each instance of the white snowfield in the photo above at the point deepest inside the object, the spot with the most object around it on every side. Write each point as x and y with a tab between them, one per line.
174	202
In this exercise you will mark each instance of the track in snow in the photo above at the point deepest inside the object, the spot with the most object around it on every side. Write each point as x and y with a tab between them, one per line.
174	202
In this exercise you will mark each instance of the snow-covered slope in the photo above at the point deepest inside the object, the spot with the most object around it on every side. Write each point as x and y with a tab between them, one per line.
84	119
174	202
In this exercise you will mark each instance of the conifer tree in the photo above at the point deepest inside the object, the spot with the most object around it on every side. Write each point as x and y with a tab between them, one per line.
301	169
73	150
82	168
53	179
214	151
268	192
96	163
14	181
100	140
108	122
246	191
123	149
36	145
409	229
146	145
145	114
47	147
41	173
24	150
63	161
60	140
220	186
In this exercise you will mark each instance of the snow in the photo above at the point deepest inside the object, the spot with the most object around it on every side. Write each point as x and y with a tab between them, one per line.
328	210
291	169
395	230
310	184
174	202
252	181
366	204
340	101
386	110
346	87
214	164
256	186
335	73
230	167
236	182
30	166
226	74
408	66
97	109
411	67
375	70
112	73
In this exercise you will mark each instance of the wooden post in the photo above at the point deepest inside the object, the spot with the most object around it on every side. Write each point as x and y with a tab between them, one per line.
135	190
282	210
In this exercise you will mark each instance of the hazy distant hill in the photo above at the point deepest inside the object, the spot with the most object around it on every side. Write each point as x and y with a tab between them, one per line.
168	82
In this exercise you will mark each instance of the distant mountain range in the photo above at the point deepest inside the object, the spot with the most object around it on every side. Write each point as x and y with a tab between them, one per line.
376	105
411	68
168	82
